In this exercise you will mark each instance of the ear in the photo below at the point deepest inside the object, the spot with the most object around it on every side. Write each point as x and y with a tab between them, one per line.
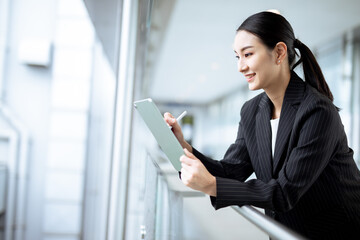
280	51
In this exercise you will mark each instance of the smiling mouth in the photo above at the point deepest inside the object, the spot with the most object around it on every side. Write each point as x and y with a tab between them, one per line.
250	77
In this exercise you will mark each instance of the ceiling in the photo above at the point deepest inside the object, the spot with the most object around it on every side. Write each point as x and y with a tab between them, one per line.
190	58
104	16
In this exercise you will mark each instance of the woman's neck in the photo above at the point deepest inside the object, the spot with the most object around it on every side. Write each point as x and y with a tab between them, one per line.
277	92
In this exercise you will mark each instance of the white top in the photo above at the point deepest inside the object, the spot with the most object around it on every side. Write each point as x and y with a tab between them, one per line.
274	127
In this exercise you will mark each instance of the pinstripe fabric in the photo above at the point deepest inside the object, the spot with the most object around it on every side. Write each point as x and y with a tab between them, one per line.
312	185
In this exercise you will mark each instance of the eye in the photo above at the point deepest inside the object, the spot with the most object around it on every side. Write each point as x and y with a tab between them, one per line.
237	57
247	54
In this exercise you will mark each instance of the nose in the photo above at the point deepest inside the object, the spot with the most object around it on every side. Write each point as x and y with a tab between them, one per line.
242	66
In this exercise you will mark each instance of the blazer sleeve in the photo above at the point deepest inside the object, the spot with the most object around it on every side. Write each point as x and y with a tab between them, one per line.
317	142
236	162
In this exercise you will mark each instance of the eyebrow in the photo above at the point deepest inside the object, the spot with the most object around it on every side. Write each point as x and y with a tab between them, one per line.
244	48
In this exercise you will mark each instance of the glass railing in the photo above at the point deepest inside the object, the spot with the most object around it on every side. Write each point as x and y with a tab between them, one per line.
165	213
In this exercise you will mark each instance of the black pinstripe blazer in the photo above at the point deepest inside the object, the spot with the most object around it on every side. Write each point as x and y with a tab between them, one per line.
312	184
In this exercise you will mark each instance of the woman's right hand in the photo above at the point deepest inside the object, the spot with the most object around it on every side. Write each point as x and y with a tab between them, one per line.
171	121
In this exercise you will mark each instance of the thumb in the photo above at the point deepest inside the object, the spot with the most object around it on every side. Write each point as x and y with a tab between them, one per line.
189	154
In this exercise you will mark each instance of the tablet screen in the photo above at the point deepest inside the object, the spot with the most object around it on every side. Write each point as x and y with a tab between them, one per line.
161	131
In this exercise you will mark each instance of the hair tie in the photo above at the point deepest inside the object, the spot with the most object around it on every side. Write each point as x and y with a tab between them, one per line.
297	43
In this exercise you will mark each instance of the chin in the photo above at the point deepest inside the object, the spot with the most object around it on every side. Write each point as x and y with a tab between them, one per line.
253	87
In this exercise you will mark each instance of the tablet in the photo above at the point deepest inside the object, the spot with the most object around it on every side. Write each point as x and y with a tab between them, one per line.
161	131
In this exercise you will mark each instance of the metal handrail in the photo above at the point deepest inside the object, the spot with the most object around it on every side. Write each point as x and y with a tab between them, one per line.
268	225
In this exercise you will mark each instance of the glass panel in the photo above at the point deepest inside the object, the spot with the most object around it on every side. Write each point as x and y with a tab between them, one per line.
150	199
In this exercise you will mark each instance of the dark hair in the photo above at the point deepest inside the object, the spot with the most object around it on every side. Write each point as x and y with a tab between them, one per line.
272	28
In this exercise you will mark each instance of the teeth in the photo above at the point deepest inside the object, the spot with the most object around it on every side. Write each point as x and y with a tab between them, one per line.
250	76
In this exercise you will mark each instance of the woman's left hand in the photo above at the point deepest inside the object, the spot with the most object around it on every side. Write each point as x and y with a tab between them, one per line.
195	175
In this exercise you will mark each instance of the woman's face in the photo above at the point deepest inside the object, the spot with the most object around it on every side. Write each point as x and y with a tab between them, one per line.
255	61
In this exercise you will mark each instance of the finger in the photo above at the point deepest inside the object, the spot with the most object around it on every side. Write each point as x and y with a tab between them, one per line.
169	118
184	173
187	166
186	160
167	114
186	170
185	176
189	154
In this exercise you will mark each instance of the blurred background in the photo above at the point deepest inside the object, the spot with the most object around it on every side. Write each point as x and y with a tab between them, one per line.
76	160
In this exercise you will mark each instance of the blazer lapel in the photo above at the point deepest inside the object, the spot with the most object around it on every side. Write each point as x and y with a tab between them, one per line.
292	99
263	137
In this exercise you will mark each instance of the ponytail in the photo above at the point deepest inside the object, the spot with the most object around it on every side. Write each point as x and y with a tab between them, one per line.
312	71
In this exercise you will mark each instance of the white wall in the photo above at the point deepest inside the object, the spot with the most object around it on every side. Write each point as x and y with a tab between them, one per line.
52	102
27	93
68	132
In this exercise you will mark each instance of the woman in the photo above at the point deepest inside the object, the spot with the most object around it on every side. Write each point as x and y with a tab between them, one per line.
290	135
